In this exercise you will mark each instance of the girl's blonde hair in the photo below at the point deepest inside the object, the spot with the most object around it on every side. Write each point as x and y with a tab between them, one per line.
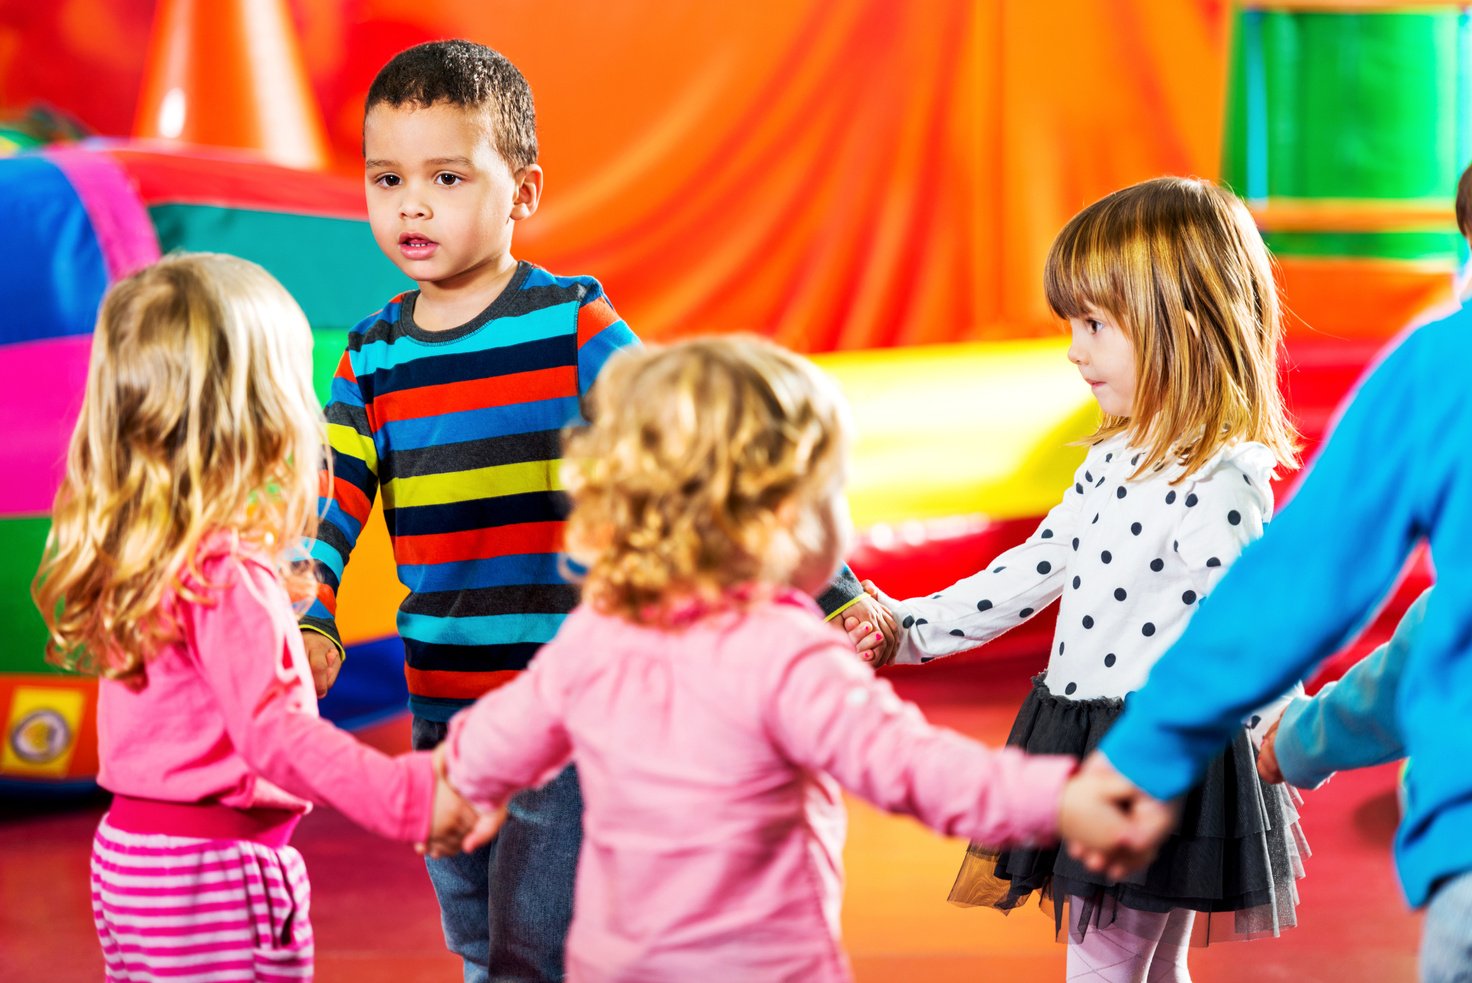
682	482
199	417
1179	265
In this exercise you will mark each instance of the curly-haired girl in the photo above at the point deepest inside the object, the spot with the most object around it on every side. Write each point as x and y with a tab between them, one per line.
712	713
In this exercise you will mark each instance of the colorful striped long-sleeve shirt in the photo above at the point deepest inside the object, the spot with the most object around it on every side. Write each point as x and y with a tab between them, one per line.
460	431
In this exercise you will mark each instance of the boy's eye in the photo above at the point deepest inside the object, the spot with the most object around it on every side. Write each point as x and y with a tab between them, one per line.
387	180
447	180
1093	324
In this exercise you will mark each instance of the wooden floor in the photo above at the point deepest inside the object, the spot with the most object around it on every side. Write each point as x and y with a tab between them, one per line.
376	920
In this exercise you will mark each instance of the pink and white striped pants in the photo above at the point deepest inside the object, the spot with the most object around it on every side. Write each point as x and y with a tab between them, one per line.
178	910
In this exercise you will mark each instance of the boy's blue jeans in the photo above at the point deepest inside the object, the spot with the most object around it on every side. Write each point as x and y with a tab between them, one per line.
1446	939
505	908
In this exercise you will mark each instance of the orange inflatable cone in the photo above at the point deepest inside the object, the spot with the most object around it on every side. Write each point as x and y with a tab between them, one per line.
229	73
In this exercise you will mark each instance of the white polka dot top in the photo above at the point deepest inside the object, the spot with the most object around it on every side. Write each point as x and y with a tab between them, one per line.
1128	560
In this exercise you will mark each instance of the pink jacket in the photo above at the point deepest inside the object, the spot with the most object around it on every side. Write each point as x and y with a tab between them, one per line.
229	716
711	760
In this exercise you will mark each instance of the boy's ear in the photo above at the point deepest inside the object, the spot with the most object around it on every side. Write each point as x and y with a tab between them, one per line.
528	192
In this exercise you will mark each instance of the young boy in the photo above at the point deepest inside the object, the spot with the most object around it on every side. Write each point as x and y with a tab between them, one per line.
451	401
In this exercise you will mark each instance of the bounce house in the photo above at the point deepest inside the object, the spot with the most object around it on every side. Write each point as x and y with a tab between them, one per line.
740	188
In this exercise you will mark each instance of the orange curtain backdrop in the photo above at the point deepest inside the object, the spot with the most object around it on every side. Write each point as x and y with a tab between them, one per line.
840	175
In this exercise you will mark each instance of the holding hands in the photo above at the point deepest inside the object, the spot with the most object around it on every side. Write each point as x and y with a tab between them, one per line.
1110	825
1267	756
456	825
323	658
872	629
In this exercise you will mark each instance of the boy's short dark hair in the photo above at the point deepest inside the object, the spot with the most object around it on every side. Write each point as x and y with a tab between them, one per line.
465	74
1464	204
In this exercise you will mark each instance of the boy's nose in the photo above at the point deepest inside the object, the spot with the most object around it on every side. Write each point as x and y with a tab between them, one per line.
412	206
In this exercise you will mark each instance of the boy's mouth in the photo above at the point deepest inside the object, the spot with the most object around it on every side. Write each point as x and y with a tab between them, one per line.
415	246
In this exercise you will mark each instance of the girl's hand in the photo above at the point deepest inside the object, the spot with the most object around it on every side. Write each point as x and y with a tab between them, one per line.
1110	826
455	824
1267	756
872	629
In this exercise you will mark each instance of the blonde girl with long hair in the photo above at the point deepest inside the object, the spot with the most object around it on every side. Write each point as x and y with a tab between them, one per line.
170	571
1170	298
711	712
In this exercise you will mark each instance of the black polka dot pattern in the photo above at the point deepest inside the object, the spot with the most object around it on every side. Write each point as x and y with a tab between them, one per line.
1135	599
921	621
1254	721
909	621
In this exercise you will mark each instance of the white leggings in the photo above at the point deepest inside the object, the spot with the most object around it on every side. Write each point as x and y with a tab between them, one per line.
1137	947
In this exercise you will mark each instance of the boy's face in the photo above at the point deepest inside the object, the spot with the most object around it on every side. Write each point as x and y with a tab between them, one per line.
441	199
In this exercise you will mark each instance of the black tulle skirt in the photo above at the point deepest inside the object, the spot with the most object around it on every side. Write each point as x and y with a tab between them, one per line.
1235	857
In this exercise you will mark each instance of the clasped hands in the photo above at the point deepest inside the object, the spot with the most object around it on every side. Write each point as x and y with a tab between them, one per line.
456	825
1109	824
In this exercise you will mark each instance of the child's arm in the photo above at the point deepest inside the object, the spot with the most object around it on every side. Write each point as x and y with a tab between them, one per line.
828	712
344	508
1011	589
1351	723
510	739
250	653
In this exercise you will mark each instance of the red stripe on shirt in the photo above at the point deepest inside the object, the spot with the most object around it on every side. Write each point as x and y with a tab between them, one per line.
593	317
477	394
445	684
479	544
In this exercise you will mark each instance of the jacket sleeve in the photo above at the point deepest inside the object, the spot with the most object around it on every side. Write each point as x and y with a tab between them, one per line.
347	501
1350	723
252	658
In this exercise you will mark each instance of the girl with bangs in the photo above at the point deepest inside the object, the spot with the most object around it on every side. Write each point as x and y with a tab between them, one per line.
1169	295
170	570
712	714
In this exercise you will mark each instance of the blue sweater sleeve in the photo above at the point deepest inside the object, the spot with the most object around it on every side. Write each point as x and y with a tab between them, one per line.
1351	723
1297	594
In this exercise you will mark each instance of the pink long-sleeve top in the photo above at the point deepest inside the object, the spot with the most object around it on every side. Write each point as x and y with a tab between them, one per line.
711	759
228	717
